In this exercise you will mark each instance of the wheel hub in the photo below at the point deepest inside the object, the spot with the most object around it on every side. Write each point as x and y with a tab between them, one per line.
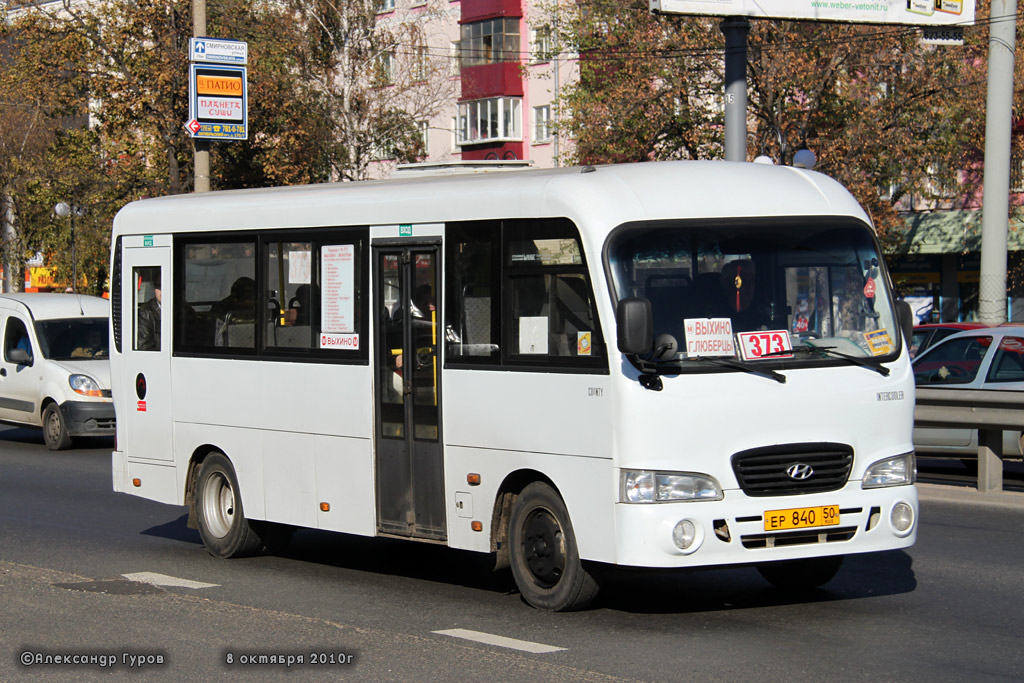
543	548
219	505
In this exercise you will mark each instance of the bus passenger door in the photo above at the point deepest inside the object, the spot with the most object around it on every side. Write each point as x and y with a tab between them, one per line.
146	300
410	484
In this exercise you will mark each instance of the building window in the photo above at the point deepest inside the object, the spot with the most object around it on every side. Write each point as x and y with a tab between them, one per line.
542	123
382	6
384	69
424	129
1016	171
542	46
456	57
490	41
494	119
939	184
419	66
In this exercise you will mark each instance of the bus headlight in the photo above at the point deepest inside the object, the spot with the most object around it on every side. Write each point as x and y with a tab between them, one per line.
896	471
85	385
642	486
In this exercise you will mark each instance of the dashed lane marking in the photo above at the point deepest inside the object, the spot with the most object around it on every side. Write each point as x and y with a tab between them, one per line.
155	579
500	641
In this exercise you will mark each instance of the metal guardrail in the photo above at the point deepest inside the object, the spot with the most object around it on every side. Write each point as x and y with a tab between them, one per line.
990	412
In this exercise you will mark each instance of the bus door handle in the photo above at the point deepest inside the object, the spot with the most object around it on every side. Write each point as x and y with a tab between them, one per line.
3	372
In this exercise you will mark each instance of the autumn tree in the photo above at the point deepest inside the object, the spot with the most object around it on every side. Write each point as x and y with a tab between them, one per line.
647	87
898	122
38	96
97	97
370	79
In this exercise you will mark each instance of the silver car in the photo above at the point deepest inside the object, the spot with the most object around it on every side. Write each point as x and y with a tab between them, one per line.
988	358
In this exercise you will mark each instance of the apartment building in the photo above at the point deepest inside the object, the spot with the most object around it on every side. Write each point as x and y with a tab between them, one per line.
504	76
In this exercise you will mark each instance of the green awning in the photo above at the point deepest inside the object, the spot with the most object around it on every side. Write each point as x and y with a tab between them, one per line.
951	232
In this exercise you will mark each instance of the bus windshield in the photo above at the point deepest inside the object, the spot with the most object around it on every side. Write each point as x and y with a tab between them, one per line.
801	283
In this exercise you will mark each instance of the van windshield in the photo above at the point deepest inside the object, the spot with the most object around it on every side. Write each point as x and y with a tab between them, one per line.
759	289
73	338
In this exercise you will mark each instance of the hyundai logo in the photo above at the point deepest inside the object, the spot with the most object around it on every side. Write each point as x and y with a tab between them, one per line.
799	471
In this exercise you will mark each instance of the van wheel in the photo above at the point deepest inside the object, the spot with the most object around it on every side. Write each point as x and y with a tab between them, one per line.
55	429
222	524
542	547
801	574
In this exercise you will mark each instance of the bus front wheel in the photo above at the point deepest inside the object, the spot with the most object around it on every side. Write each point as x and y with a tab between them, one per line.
222	524
542	547
801	574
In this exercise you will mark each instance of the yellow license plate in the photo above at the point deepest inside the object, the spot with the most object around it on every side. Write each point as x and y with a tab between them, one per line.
801	518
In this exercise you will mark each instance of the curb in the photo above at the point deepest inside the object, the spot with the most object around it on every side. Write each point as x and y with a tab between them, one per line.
944	493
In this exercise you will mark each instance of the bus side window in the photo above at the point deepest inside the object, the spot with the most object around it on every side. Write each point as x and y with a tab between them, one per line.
472	325
217	308
552	315
552	307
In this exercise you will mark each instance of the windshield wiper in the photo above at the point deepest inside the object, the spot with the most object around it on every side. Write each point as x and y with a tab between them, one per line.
652	368
730	362
831	351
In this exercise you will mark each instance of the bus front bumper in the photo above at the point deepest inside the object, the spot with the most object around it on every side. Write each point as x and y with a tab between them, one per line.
733	530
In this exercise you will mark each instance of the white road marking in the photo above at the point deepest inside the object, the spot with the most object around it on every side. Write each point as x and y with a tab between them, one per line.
164	580
500	641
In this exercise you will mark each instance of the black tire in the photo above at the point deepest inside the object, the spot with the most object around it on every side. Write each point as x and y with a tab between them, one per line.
222	524
801	574
55	429
542	552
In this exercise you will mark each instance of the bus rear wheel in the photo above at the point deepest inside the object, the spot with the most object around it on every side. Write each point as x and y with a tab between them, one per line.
222	524
542	547
801	574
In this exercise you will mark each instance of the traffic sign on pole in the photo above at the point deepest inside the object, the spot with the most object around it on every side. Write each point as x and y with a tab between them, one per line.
218	102
217	51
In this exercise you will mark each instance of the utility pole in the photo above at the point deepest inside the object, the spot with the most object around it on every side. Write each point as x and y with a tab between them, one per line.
1002	42
735	30
201	157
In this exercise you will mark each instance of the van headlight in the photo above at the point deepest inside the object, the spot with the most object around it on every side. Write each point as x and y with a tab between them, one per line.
642	486
85	385
895	471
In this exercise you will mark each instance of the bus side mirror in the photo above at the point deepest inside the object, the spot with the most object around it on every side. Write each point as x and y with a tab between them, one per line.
905	317
635	325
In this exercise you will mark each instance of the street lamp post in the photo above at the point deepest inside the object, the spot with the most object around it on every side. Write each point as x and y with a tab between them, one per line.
65	210
802	157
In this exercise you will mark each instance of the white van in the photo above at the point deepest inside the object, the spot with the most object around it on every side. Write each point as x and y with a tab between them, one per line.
55	365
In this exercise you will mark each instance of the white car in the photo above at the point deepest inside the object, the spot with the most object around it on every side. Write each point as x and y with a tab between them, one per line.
986	358
55	365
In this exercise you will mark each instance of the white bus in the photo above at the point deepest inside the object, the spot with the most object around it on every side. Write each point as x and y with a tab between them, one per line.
666	365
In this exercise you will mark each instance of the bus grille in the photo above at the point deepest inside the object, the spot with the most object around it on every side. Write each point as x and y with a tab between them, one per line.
769	471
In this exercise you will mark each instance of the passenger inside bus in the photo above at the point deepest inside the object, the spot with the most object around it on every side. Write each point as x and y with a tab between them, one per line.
236	315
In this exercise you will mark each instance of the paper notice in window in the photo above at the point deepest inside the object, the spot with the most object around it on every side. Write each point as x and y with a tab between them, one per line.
533	334
337	300
709	337
298	267
583	342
